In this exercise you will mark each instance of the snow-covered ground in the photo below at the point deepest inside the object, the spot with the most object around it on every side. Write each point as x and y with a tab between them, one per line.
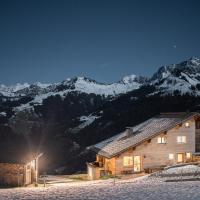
3	114
84	121
140	189
182	170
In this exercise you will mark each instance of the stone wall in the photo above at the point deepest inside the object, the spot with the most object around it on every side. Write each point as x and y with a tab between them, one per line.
11	174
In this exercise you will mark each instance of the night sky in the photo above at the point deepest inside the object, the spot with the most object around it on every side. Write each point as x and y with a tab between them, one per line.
49	41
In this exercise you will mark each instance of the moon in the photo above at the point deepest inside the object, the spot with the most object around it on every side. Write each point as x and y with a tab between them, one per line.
174	46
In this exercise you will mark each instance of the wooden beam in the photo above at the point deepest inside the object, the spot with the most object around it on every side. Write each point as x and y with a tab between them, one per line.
149	140
180	124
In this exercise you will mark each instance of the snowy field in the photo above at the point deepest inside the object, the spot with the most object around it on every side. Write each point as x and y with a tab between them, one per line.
142	188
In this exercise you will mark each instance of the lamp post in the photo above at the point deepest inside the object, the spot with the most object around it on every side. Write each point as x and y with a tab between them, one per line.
36	160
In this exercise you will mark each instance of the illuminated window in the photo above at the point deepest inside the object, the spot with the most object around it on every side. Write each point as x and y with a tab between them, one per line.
161	140
188	155
180	157
187	124
171	156
181	139
128	161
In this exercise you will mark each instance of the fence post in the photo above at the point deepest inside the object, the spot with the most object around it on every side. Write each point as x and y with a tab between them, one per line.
18	174
181	175
44	179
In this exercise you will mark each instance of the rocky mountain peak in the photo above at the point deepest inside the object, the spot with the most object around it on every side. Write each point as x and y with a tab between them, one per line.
190	66
134	78
183	77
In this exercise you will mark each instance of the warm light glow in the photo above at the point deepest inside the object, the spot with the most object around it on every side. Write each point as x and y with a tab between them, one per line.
137	163
180	157
128	161
171	156
90	172
181	139
188	155
187	124
161	140
33	164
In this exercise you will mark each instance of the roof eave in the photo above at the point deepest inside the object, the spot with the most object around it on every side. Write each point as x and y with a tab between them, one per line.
174	125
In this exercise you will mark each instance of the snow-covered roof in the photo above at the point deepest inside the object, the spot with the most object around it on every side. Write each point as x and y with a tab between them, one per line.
17	156
140	133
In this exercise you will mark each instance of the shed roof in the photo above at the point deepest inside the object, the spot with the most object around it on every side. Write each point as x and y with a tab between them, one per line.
134	136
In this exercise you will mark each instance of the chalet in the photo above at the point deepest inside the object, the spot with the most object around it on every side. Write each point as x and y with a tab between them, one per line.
18	168
163	140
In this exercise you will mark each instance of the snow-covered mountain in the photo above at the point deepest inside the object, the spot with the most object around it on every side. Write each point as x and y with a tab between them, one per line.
176	78
22	89
79	84
39	91
63	118
85	85
183	77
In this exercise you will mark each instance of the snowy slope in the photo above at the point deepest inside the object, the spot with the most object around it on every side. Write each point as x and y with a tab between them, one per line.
182	169
22	89
40	91
10	90
183	77
132	189
88	86
80	84
84	121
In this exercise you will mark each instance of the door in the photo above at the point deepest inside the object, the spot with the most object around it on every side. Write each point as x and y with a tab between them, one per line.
137	163
180	158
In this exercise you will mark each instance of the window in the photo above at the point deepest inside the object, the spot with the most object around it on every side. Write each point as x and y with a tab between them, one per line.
187	124
137	164
181	139
161	140
128	161
180	157
171	156
188	155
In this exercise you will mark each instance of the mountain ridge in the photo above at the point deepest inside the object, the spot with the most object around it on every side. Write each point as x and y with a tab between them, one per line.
191	65
183	78
131	81
64	118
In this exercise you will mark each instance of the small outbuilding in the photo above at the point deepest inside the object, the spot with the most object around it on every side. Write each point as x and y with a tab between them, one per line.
18	168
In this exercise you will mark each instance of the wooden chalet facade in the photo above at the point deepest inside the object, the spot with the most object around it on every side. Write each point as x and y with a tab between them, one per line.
163	140
18	168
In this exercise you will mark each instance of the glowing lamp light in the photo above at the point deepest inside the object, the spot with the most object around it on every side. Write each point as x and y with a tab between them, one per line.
33	164
187	124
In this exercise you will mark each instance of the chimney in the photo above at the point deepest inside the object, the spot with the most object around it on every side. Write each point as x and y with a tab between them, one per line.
128	132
